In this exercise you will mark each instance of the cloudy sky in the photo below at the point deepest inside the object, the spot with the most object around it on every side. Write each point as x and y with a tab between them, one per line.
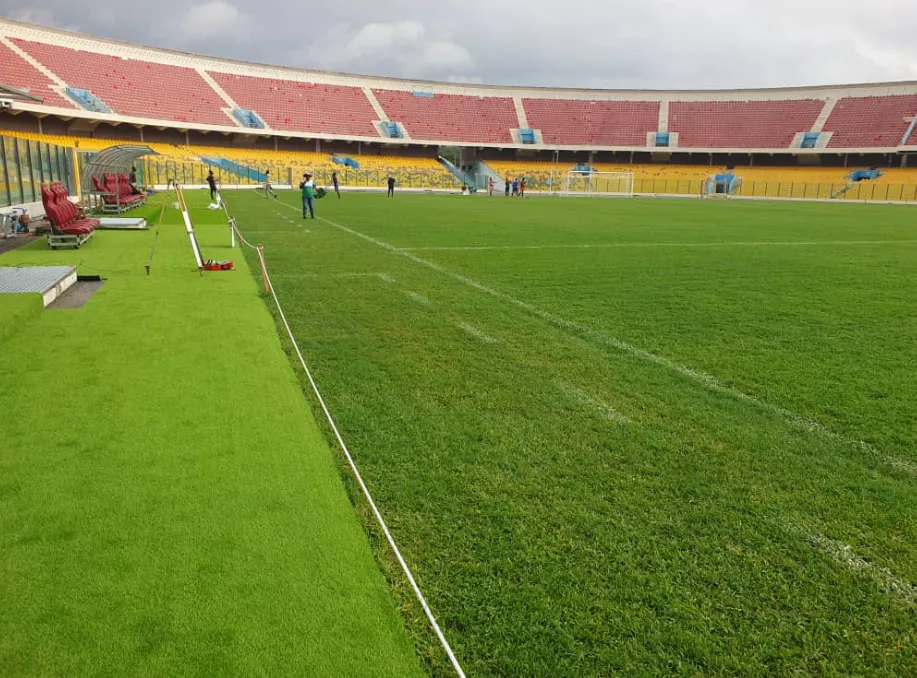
582	43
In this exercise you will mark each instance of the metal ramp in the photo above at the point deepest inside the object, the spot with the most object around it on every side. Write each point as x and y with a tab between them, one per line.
465	178
487	172
48	281
842	190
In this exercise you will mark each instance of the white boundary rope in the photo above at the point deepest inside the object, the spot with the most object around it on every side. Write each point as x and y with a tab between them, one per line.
350	461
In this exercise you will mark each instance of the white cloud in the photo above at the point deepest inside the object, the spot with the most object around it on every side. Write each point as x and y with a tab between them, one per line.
38	15
397	48
213	19
379	39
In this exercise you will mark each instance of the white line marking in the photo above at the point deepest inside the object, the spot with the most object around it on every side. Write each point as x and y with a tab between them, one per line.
844	555
476	333
814	243
706	380
603	409
419	298
385	277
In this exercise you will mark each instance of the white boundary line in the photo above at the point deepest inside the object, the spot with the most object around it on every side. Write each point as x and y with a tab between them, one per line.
476	333
606	411
812	243
416	296
356	472
843	554
707	380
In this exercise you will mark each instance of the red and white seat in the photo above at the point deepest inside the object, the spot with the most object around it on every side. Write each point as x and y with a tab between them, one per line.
67	226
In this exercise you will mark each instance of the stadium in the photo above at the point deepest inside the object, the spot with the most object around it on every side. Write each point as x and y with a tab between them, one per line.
313	373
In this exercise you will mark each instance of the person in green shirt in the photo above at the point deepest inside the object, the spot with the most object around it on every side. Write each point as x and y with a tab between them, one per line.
307	186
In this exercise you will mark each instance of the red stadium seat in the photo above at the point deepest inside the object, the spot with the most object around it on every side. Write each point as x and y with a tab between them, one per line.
597	123
864	122
67	228
451	117
303	106
135	88
742	124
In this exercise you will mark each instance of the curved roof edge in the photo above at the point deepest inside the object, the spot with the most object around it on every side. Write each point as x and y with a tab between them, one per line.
491	90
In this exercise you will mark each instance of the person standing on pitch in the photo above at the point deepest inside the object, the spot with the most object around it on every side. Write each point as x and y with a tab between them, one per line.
307	186
522	187
212	182
337	187
507	187
391	186
490	186
268	190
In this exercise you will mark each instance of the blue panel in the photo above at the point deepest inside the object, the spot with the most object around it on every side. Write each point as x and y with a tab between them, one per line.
425	95
391	129
248	118
344	160
662	139
87	100
723	183
810	139
864	174
527	136
236	168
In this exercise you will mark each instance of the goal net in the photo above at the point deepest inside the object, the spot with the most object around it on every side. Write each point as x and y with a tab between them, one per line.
599	183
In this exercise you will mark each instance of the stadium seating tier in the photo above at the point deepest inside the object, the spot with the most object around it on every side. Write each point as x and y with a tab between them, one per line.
19	73
870	122
741	124
451	117
601	123
302	106
141	89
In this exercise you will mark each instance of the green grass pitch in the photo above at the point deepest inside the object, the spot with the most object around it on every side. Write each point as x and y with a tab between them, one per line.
633	437
168	506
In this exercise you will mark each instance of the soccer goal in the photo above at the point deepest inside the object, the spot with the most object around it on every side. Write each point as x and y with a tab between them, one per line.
610	184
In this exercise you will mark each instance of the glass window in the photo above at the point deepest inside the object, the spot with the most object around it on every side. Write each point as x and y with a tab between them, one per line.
37	175
65	169
4	194
46	163
59	163
25	172
12	170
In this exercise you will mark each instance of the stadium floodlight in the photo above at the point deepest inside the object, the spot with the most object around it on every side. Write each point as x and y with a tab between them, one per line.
606	184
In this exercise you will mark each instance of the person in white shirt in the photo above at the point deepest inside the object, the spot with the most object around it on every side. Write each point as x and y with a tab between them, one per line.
307	186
